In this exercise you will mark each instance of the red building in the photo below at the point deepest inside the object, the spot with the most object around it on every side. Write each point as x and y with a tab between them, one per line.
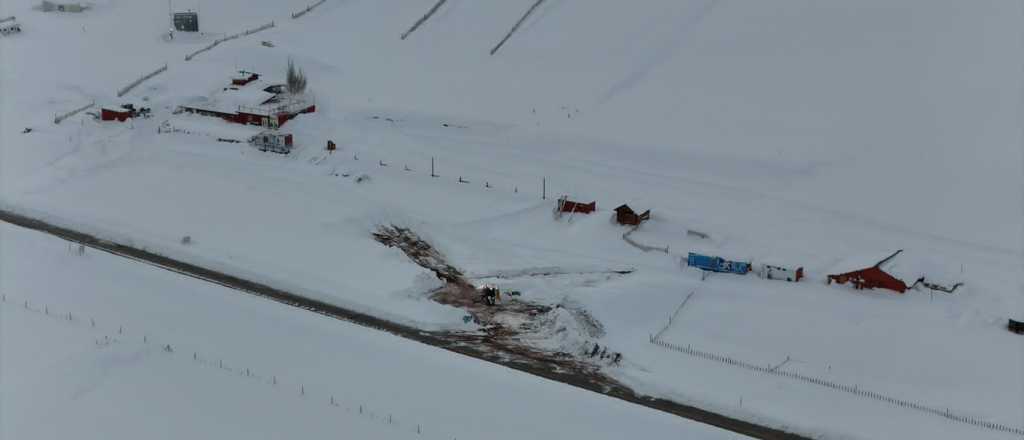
119	114
243	78
566	205
871	277
251	102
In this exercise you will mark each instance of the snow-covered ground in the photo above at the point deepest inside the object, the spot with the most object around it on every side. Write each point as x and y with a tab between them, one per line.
246	367
794	133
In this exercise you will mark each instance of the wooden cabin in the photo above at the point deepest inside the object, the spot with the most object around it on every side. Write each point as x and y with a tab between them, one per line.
624	215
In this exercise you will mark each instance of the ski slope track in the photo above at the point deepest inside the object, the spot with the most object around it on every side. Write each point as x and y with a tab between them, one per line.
458	344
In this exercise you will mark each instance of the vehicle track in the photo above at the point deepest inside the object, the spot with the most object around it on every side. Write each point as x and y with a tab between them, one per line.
480	346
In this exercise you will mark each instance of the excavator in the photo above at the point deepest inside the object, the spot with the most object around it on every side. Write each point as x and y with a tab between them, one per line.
490	294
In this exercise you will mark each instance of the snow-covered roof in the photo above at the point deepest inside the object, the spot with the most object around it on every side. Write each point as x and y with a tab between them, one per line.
228	100
243	75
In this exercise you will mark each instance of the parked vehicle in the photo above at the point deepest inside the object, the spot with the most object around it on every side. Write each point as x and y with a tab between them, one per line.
717	264
10	28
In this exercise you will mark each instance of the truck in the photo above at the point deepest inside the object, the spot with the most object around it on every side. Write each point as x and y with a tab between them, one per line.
717	264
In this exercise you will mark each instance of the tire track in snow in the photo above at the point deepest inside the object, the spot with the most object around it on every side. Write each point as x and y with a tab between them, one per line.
660	53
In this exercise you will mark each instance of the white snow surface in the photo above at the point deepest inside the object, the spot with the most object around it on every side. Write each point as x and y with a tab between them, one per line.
793	132
243	367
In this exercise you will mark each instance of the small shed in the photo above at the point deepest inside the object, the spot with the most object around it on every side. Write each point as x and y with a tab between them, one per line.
115	113
272	141
186	21
566	205
244	77
624	215
1016	327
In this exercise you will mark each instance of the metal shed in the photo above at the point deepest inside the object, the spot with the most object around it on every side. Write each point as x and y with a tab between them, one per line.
186	21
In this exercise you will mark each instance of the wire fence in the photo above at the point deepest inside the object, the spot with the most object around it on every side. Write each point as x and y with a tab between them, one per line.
673	316
850	389
543	185
113	335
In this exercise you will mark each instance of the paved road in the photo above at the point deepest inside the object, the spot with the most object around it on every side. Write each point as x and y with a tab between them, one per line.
480	348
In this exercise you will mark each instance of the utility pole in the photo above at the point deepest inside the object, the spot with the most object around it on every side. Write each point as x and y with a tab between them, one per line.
543	188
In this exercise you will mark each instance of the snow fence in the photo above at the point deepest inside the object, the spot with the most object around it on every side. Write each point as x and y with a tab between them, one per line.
305	11
228	38
57	119
141	80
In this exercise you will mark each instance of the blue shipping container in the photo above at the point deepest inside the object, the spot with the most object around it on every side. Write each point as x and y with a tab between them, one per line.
717	264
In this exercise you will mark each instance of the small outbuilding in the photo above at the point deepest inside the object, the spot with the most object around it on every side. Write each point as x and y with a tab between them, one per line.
244	77
273	141
624	215
1016	327
115	113
186	21
566	205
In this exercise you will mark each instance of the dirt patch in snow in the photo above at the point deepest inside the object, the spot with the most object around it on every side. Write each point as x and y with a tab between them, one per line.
561	336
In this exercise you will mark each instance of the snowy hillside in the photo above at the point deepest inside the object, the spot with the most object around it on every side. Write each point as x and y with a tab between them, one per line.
794	133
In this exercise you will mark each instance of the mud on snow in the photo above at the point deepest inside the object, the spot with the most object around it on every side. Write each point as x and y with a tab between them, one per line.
560	336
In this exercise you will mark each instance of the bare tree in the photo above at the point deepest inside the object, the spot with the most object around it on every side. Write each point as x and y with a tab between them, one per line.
296	79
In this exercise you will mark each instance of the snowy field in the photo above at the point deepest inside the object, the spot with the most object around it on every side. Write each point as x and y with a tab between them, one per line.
261	370
794	133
